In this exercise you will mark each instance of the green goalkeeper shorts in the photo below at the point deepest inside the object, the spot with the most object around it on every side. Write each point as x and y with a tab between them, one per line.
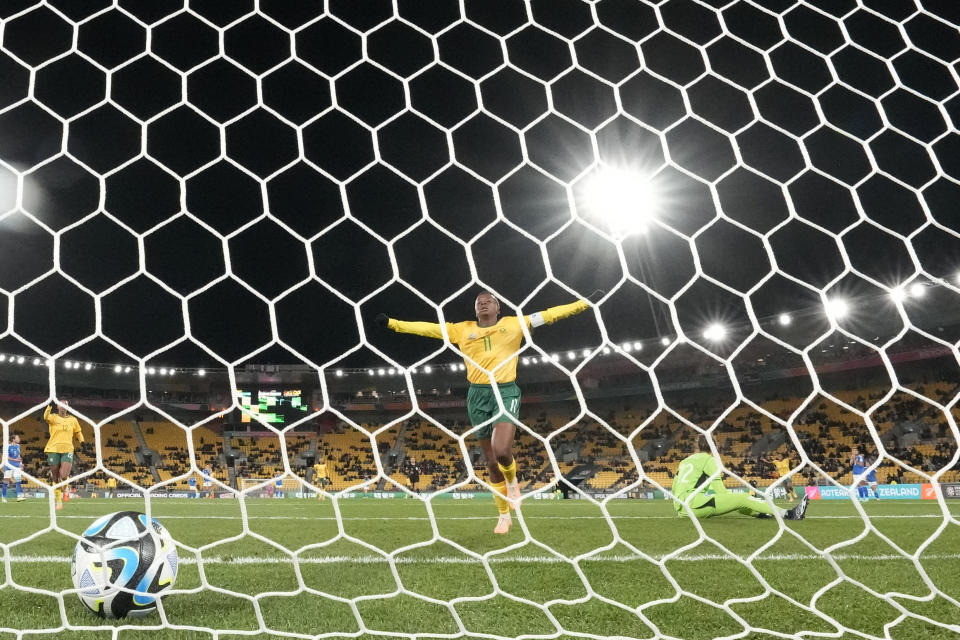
482	406
53	459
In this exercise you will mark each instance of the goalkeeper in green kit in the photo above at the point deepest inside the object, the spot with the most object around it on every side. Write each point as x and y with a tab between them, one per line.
711	498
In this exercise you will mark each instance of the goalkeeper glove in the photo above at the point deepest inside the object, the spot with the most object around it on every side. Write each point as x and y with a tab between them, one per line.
596	296
382	320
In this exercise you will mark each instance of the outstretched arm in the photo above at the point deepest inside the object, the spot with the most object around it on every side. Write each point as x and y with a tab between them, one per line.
47	412
426	329
551	315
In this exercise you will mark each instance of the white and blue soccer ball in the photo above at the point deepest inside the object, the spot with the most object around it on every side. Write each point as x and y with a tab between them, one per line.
122	564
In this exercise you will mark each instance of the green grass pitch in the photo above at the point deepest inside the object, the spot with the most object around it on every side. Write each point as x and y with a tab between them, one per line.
344	585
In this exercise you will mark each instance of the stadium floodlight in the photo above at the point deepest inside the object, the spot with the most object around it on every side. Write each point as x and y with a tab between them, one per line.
66	365
586	353
606	351
555	357
117	369
627	347
151	371
21	360
171	372
525	360
898	294
665	341
463	367
391	371
625	200
339	373
784	319
127	370
918	290
837	308
36	362
3	358
571	355
88	367
715	332
638	346
381	372
428	369
202	372
163	371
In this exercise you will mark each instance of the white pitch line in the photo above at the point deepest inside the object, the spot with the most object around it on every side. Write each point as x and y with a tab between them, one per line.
423	518
374	559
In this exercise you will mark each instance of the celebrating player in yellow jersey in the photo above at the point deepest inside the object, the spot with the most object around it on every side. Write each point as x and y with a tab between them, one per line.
59	449
491	346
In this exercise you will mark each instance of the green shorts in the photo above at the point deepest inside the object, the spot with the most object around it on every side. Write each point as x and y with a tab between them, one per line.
482	406
54	459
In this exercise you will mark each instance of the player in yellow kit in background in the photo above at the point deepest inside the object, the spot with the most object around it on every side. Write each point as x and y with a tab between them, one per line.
59	449
493	343
320	477
782	464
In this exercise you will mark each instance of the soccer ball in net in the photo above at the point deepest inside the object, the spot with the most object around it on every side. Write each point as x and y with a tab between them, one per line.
122	564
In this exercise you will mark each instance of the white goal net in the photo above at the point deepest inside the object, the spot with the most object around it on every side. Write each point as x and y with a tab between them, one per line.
204	205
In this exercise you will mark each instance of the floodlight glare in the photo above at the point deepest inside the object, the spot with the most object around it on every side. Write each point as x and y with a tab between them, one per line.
784	319
21	360
837	308
638	346
715	332
665	341
627	348
202	372
606	351
625	200
555	357
585	353
391	371
898	294
525	360
127	370
427	369
571	355
36	362
917	290
381	372
117	369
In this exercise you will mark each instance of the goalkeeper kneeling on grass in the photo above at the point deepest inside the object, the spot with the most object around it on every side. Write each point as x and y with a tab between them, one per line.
711	498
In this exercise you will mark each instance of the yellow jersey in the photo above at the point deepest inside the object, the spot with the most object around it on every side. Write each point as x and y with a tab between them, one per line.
320	470
782	466
62	431
494	349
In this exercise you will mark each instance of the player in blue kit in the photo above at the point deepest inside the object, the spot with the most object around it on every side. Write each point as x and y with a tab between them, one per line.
859	463
13	469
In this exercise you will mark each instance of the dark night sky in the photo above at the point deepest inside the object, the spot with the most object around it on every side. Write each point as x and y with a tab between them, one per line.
460	142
